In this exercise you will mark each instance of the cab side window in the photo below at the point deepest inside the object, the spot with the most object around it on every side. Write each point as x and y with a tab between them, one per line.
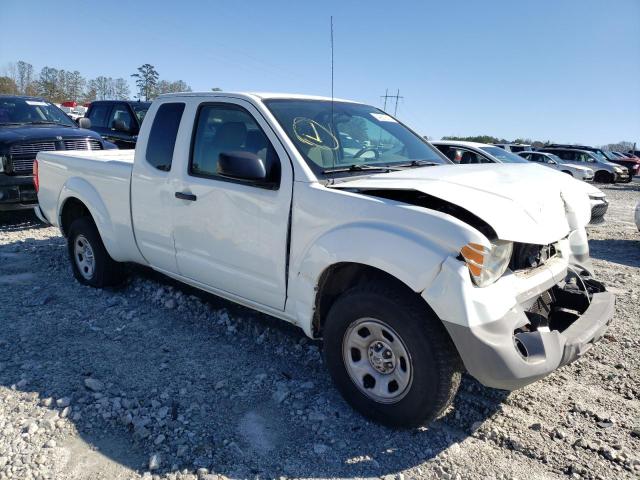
98	115
121	118
162	138
229	129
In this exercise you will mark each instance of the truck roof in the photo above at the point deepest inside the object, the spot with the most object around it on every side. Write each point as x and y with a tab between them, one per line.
254	95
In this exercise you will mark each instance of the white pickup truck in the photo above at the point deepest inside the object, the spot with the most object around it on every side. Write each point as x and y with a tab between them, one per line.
336	217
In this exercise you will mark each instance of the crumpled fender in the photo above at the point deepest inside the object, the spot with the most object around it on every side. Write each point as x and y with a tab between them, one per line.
76	187
412	258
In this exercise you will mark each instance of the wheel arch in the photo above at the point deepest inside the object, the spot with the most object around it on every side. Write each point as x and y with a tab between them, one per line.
79	198
339	277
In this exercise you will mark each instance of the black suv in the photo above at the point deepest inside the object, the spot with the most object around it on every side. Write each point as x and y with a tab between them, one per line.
118	121
29	125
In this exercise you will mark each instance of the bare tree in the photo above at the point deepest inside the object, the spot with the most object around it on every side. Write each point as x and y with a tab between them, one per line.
8	86
24	78
48	83
121	89
165	86
75	85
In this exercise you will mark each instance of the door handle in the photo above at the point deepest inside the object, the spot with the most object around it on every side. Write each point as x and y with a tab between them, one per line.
186	196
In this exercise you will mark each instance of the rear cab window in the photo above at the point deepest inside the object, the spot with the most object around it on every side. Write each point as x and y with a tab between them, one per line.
162	138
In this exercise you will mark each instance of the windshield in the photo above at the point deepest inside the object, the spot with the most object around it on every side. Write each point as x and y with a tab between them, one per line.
21	111
140	109
504	156
359	135
609	155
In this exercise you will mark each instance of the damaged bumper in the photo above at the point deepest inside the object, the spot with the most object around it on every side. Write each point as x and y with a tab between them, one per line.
498	355
527	324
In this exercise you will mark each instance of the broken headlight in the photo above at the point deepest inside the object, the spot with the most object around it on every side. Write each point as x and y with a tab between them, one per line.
487	264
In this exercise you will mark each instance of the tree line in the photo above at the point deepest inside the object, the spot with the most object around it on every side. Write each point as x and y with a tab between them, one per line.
60	85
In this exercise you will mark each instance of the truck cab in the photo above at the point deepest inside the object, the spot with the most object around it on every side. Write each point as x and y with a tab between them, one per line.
117	121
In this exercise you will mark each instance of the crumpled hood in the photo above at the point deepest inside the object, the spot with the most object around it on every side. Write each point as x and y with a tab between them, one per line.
522	203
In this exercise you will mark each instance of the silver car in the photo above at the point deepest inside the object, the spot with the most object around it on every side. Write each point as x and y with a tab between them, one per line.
550	160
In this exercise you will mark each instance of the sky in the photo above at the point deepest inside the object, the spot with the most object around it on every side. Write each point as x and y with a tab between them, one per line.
561	70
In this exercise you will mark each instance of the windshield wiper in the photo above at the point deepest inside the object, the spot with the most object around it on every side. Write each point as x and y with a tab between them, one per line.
361	168
418	163
42	122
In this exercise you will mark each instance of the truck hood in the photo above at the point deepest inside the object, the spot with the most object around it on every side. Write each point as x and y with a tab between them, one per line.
522	203
11	134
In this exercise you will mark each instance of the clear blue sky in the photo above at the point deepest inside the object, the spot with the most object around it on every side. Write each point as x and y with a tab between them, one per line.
566	70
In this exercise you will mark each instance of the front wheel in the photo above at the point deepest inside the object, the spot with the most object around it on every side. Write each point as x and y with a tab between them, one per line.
91	263
390	356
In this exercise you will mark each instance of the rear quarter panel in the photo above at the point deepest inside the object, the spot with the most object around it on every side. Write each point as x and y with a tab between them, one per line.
101	181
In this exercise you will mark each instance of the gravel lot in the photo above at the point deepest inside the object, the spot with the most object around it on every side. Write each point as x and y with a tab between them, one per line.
156	379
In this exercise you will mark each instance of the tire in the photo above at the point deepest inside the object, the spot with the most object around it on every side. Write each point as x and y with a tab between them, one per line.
91	263
604	177
434	366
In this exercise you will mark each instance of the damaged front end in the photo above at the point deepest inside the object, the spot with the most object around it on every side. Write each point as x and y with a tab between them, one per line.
549	327
571	311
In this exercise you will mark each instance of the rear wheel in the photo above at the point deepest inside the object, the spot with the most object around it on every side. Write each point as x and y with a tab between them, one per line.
390	356
91	263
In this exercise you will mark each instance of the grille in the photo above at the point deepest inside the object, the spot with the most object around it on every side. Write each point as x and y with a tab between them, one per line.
82	144
23	154
29	150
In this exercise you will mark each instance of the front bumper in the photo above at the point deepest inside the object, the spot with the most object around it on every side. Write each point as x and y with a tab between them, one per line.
500	358
622	177
17	192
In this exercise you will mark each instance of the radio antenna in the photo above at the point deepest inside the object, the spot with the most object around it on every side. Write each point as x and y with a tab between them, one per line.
331	122
332	70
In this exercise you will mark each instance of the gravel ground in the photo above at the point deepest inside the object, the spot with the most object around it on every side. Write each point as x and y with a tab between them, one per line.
156	379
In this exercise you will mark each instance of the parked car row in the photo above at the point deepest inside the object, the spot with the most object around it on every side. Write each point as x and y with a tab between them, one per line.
608	166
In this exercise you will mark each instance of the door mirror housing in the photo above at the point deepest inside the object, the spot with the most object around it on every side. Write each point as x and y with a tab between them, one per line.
84	122
245	167
552	162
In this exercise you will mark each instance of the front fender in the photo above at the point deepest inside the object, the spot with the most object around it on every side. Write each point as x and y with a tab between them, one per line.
412	258
76	187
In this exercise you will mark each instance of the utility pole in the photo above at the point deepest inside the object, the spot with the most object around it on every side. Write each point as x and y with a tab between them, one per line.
386	96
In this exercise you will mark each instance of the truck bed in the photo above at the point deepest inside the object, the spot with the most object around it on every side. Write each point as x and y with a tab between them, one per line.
104	179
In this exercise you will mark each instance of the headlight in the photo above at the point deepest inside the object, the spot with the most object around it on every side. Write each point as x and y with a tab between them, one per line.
3	162
617	169
487	264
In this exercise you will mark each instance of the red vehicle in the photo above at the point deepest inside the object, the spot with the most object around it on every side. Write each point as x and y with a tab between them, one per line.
632	162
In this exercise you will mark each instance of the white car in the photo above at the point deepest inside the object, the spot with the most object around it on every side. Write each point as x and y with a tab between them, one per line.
553	161
514	147
465	153
406	266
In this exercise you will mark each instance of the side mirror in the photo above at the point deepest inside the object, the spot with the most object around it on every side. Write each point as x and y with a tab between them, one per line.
551	162
246	167
84	122
120	126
